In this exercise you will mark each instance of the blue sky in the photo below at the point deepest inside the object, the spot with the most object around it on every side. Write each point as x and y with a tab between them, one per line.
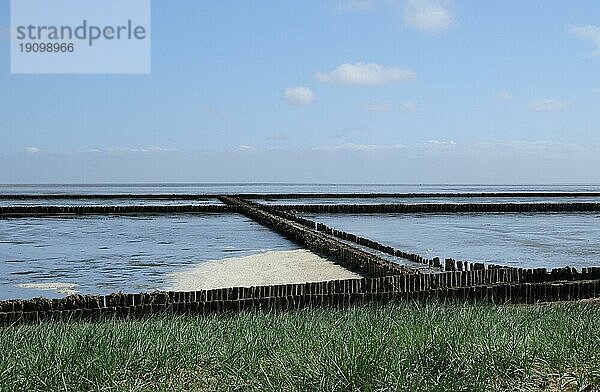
508	91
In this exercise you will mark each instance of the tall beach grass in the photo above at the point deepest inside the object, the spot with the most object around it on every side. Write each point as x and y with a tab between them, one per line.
372	348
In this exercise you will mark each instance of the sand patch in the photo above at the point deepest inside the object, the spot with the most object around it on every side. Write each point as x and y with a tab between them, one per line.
273	267
60	288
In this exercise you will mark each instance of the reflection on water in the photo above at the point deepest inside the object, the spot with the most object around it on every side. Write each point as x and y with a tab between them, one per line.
103	254
523	240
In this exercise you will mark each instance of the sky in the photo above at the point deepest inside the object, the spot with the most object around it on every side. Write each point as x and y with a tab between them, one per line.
349	91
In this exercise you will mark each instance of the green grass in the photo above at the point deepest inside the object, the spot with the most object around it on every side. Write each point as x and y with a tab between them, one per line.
394	347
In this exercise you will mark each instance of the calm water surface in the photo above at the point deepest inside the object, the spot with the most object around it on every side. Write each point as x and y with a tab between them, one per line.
521	240
103	254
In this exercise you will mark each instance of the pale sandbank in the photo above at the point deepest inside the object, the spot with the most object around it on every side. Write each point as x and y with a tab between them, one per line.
272	267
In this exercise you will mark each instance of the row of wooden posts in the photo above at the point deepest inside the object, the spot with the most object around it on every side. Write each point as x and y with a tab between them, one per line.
438	208
125	209
305	195
383	280
309	208
498	285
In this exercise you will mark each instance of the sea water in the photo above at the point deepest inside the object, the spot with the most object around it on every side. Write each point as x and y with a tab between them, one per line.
547	240
101	254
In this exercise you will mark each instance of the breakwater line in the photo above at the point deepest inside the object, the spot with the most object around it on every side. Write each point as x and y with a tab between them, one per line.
199	196
127	209
441	208
109	196
309	208
415	195
353	238
496	285
366	242
342	253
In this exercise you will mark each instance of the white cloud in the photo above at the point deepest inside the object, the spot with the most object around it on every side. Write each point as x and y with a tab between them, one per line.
597	90
534	147
486	149
442	142
365	74
547	105
140	149
360	147
298	96
408	107
429	16
504	95
32	150
590	33
378	107
158	149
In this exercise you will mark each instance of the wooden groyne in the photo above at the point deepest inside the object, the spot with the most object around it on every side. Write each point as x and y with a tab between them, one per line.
499	285
438	208
129	209
113	196
310	208
344	254
358	240
414	195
